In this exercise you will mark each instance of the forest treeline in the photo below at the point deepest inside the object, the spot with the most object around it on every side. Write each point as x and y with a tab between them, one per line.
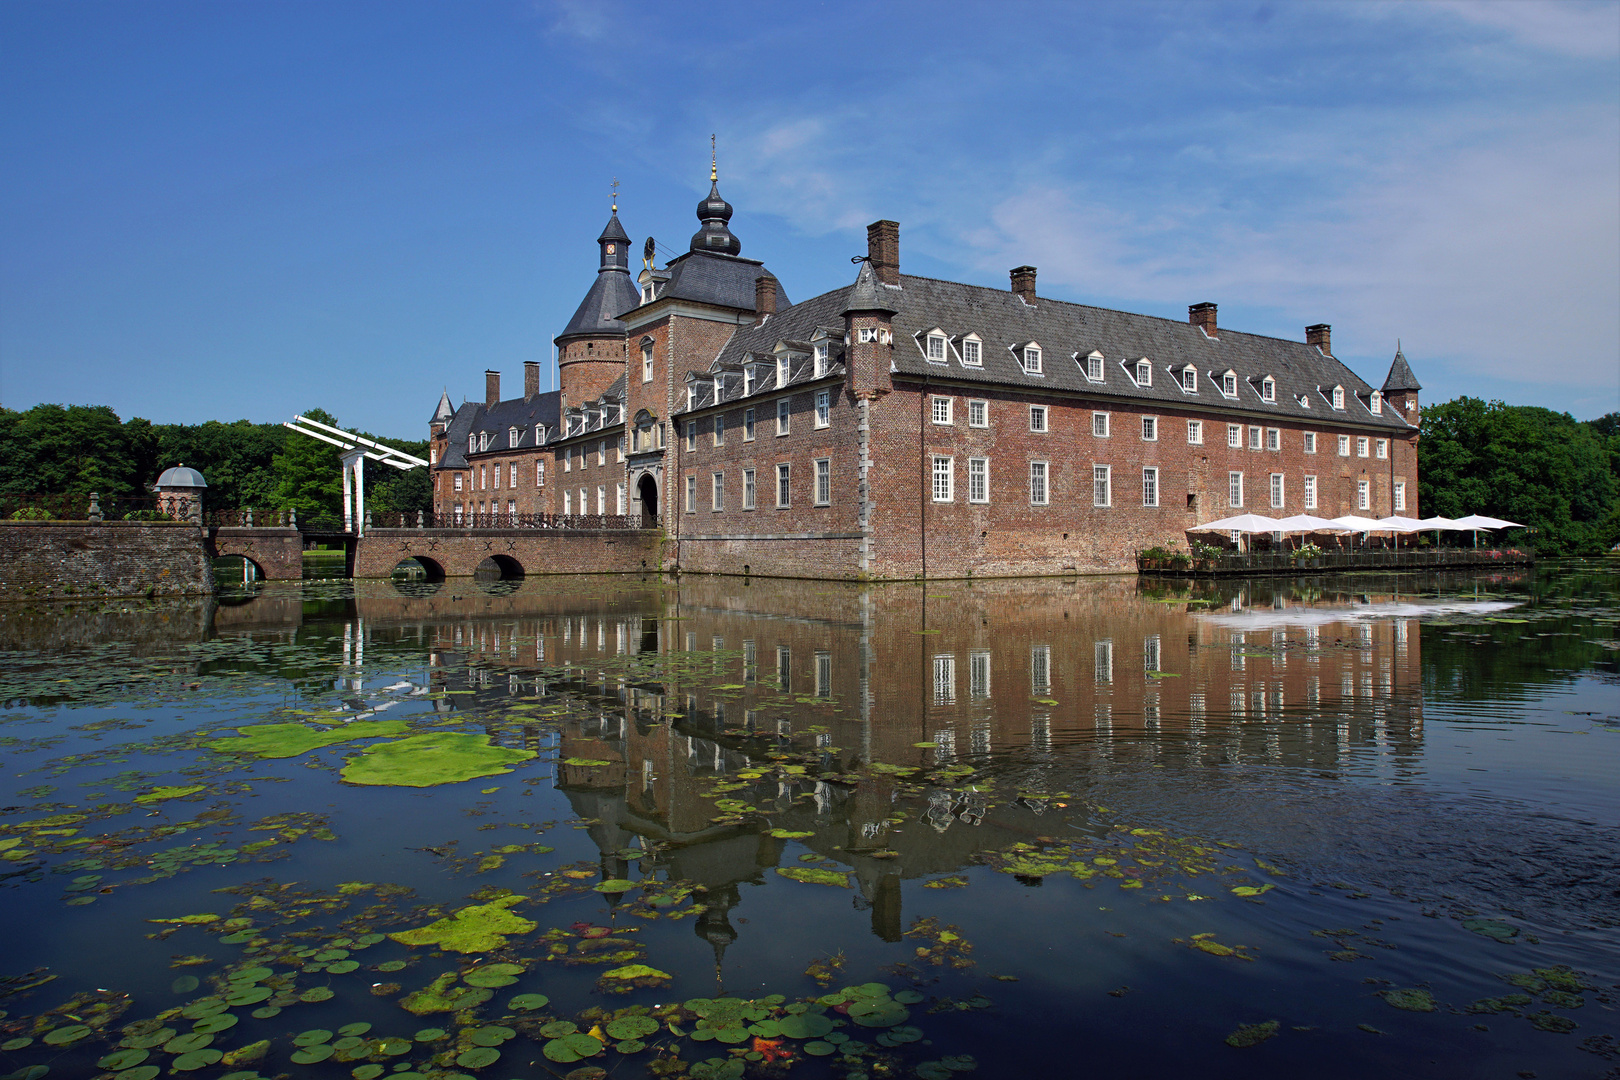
1559	475
76	449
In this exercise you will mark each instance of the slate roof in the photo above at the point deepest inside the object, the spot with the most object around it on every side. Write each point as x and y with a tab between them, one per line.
476	418
796	326
1004	322
1400	375
602	414
444	410
707	278
611	294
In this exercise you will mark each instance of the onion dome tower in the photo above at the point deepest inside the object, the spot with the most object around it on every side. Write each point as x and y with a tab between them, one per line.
591	349
714	212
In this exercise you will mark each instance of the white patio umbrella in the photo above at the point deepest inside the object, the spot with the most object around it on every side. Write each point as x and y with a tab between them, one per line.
1439	523
1355	523
1476	522
1397	524
1307	523
1242	523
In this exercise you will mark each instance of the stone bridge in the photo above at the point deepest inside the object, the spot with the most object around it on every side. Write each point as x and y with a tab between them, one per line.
515	552
278	553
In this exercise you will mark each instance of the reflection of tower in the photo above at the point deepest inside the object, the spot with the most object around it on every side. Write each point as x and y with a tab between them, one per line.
714	926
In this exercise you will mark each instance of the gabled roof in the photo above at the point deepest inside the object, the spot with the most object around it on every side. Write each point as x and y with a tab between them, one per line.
1400	375
474	418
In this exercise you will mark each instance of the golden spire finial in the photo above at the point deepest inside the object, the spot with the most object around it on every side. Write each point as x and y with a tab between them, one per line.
615	194
714	162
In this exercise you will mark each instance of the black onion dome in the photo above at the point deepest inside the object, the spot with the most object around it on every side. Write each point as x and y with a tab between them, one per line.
714	236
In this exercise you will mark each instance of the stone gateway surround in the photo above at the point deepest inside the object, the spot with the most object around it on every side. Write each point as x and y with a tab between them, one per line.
903	426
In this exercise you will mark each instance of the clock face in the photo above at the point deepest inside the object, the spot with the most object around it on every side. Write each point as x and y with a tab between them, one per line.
611	248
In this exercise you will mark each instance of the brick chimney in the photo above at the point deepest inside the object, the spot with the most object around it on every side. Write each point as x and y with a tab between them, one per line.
531	379
1320	335
764	297
1023	282
492	388
883	250
1202	316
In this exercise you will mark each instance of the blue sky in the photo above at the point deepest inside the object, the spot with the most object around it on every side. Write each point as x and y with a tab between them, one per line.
218	211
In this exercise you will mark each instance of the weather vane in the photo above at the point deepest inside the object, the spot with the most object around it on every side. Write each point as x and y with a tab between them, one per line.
714	162
615	194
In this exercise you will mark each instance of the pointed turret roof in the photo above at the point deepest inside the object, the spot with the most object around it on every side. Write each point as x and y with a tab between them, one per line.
445	410
869	294
1400	374
612	293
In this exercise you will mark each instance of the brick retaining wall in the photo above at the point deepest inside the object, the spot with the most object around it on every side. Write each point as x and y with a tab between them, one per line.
57	560
457	552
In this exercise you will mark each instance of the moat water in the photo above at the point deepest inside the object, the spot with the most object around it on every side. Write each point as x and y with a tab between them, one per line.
1345	827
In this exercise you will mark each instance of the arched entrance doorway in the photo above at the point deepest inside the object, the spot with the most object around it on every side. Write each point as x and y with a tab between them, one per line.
647	492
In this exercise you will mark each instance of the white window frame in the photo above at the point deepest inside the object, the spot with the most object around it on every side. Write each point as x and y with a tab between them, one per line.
823	491
943	473
1363	495
748	425
1150	486
1040	487
719	429
823	408
978	480
1038	419
539	474
1337	398
1344	446
978	413
1099	425
1234	489
717	492
935	348
784	417
646	361
820	359
1273	438
1377	403
941	410
691	493
1257	437
1400	496
784	485
1094	367
1310	442
1030	358
1189	380
1229	385
748	489
618	500
1363	446
1279	491
1150	429
1234	436
972	351
783	370
1102	485
1268	389
1310	492
691	435
456	483
1195	433
1142	372
1381	449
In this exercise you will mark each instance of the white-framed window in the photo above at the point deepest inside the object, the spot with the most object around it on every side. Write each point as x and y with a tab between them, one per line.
978	480
784	488
568	502
942	410
691	494
1377	405
646	361
1310	493
691	397
1189	380
1102	486
1150	429
1032	359
782	416
568	459
1234	489
935	348
1255	437
1229	384
782	371
1344	446
1144	373
1361	446
601	500
1037	418
512	437
1310	442
618	500
456	482
497	484
472	444
1363	496
748	380
748	425
1099	424
1400	495
483	478
1276	490
719	429
1038	494
867	335
978	414
1150	487
972	351
1338	398
1094	367
1234	436
1195	433
718	389
1273	438
539	474
717	491
1268	389
823	408
821	360
748	489
1381	449
823	481
944	479
601	449
691	435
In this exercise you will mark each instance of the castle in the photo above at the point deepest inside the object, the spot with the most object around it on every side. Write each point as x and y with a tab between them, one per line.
903	426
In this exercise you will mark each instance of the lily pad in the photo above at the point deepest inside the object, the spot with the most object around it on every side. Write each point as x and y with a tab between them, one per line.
631	1027
1411	1000
185	984
490	1035
163	794
317	993
309	1055
291	740
393	1046
572	1048
1253	1034
443	757
478	1057
493	975
479	928
811	876
524	1002
790	834
312	1037
149	1038
614	885
200	1059
119	1060
804	1025
64	1036
817	1048
210	1024
359	1028
636	971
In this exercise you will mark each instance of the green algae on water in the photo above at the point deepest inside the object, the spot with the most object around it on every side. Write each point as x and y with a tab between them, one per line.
815	877
1253	1034
478	928
292	740
443	757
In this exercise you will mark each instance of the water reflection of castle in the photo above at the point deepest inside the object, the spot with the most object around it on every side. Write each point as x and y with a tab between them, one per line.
1013	672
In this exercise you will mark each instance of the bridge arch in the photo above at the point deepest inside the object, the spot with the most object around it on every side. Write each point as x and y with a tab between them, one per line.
418	568
235	568
499	568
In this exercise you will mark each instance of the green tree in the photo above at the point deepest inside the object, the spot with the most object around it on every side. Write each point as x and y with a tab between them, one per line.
68	450
390	490
1523	463
309	474
237	459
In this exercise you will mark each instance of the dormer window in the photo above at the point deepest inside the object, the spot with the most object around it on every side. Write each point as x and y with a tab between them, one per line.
1377	405
781	371
1144	373
1338	398
821	360
512	437
1268	389
1189	380
935	348
1032	359
1229	384
718	384
691	397
539	434
972	351
472	444
748	380
483	440
647	293
1094	367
